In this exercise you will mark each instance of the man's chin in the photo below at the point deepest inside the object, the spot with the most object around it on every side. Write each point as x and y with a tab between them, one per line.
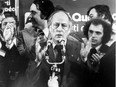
58	39
94	44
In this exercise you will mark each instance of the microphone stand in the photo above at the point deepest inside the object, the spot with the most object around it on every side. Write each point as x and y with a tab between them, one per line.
54	67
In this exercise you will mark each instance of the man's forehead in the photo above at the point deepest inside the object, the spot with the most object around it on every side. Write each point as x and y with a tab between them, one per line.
98	27
93	10
60	16
33	7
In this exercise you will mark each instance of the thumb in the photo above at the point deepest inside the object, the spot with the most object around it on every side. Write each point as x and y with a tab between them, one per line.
82	46
53	75
0	45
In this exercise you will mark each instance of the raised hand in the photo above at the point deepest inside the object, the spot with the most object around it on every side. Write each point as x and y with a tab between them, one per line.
8	32
85	49
97	56
53	81
40	48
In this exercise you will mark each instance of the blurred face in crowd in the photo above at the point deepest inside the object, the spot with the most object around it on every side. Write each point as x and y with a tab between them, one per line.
95	33
60	26
35	13
1	16
8	26
93	13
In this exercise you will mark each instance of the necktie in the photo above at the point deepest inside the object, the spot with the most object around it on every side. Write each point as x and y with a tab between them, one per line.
93	51
58	53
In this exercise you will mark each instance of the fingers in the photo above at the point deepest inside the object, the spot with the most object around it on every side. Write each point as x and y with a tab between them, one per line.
90	38
96	57
8	31
53	75
84	40
28	25
53	82
9	26
0	45
82	52
7	34
82	45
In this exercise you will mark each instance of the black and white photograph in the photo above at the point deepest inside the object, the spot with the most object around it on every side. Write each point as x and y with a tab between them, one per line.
57	43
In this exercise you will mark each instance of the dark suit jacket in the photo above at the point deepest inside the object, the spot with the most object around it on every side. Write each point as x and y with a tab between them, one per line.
105	75
3	66
10	64
38	76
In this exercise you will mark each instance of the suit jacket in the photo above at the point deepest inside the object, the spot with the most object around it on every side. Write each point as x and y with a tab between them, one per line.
3	66
38	76
11	65
26	43
106	74
101	76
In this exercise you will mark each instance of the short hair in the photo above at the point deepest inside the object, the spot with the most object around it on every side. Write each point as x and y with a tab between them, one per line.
56	11
11	14
45	6
107	29
102	10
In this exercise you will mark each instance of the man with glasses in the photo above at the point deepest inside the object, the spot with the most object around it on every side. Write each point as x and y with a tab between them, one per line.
59	60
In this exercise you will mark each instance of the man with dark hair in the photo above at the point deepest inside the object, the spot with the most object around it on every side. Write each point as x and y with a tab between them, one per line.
45	6
101	11
11	61
35	27
98	33
98	11
36	24
56	56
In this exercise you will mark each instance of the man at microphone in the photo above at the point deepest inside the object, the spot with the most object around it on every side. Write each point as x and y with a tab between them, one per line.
63	53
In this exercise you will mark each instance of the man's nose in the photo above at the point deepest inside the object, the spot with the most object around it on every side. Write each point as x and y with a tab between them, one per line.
30	16
59	27
93	34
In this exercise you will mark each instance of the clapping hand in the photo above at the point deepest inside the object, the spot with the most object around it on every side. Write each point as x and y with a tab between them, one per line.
85	48
40	49
8	32
53	81
97	56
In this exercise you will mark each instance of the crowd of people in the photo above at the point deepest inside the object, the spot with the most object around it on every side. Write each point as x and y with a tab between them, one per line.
47	54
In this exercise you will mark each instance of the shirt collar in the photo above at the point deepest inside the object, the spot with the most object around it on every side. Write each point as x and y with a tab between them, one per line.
98	47
54	44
